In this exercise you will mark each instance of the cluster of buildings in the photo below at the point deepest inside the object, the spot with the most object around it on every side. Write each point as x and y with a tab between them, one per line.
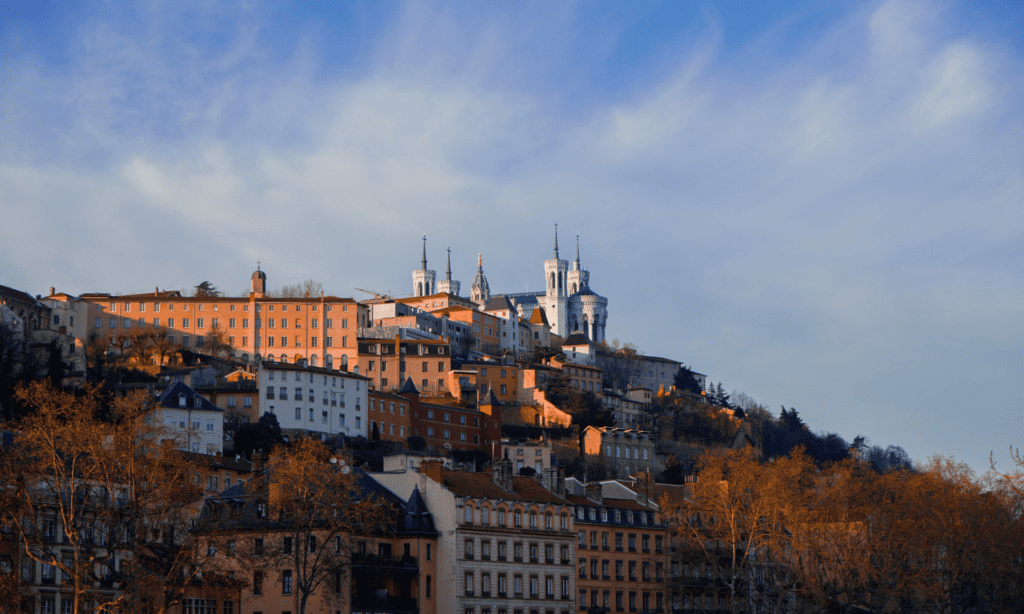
514	538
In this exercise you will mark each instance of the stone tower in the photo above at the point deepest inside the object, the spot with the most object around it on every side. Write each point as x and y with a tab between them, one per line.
448	284
480	293
259	282
423	281
556	295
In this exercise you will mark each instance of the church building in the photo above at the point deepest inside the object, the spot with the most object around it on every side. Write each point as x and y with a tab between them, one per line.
569	304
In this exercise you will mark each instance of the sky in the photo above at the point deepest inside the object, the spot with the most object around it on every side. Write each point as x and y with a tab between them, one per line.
820	205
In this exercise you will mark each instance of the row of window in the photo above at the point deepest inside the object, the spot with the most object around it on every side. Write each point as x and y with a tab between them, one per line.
324	417
629	516
389	429
127	307
645	541
482	515
501	587
401	407
447	417
337	399
602	599
447	434
621	451
273	323
532	549
371	365
605	570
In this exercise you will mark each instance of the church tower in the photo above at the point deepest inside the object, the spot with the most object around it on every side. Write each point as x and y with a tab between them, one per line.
556	295
480	293
577	278
423	281
449	285
259	282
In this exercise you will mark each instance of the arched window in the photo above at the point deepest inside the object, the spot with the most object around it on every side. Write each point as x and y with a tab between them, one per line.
559	280
552	281
270	357
313	360
329	361
485	516
467	513
574	287
344	360
419	289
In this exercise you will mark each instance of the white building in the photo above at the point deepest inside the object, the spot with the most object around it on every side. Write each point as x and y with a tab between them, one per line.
195	422
314	400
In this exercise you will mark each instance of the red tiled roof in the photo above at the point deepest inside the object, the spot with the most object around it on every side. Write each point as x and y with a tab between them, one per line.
481	485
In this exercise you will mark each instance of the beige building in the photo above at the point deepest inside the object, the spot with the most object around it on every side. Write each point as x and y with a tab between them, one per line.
625	452
318	329
506	543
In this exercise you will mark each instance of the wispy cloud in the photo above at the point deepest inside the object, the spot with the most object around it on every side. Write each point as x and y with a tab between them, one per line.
832	229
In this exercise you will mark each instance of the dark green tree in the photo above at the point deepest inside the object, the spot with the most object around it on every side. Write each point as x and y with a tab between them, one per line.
686	381
206	289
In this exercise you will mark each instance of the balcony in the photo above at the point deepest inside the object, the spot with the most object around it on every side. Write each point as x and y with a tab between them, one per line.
385	604
362	560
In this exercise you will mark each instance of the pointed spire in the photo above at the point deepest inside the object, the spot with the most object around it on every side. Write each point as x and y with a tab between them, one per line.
448	273
577	252
424	252
556	241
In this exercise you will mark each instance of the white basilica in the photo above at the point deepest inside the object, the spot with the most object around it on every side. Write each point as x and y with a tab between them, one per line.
568	302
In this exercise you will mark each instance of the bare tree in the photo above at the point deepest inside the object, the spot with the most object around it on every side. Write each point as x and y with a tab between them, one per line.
308	288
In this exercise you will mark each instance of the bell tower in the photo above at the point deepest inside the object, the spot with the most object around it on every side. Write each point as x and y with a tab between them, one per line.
424	281
555	296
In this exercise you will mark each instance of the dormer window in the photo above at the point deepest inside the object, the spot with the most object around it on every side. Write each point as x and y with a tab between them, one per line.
181	400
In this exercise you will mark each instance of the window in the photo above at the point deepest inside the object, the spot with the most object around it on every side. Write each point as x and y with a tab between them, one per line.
534	587
286	582
517	585
469	550
257	579
469	583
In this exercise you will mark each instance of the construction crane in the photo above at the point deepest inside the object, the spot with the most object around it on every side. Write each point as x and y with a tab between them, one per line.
377	295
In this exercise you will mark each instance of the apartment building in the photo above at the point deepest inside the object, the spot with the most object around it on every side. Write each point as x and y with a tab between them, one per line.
318	329
314	401
196	423
507	542
625	452
389	362
390	416
621	549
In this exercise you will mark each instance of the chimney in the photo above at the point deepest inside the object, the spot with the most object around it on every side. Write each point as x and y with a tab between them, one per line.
502	472
52	291
433	469
553	480
594	492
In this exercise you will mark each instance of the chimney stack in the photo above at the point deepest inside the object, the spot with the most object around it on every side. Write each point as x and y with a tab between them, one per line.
502	472
594	492
52	291
433	469
554	480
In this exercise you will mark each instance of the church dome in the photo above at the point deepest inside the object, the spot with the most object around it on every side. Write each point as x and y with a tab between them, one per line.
259	275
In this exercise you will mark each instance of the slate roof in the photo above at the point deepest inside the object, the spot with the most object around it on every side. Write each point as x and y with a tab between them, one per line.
169	398
408	387
577	339
499	303
416	519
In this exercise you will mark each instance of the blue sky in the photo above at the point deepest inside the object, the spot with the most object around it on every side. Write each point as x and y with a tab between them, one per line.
819	204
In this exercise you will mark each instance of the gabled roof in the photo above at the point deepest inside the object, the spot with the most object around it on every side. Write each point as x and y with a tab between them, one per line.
499	303
169	398
408	387
416	519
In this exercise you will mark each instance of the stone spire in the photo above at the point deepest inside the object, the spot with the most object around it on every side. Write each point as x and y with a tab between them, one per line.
577	267
448	273
424	261
556	241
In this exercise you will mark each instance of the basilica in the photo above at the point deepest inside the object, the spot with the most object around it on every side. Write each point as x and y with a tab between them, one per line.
567	303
